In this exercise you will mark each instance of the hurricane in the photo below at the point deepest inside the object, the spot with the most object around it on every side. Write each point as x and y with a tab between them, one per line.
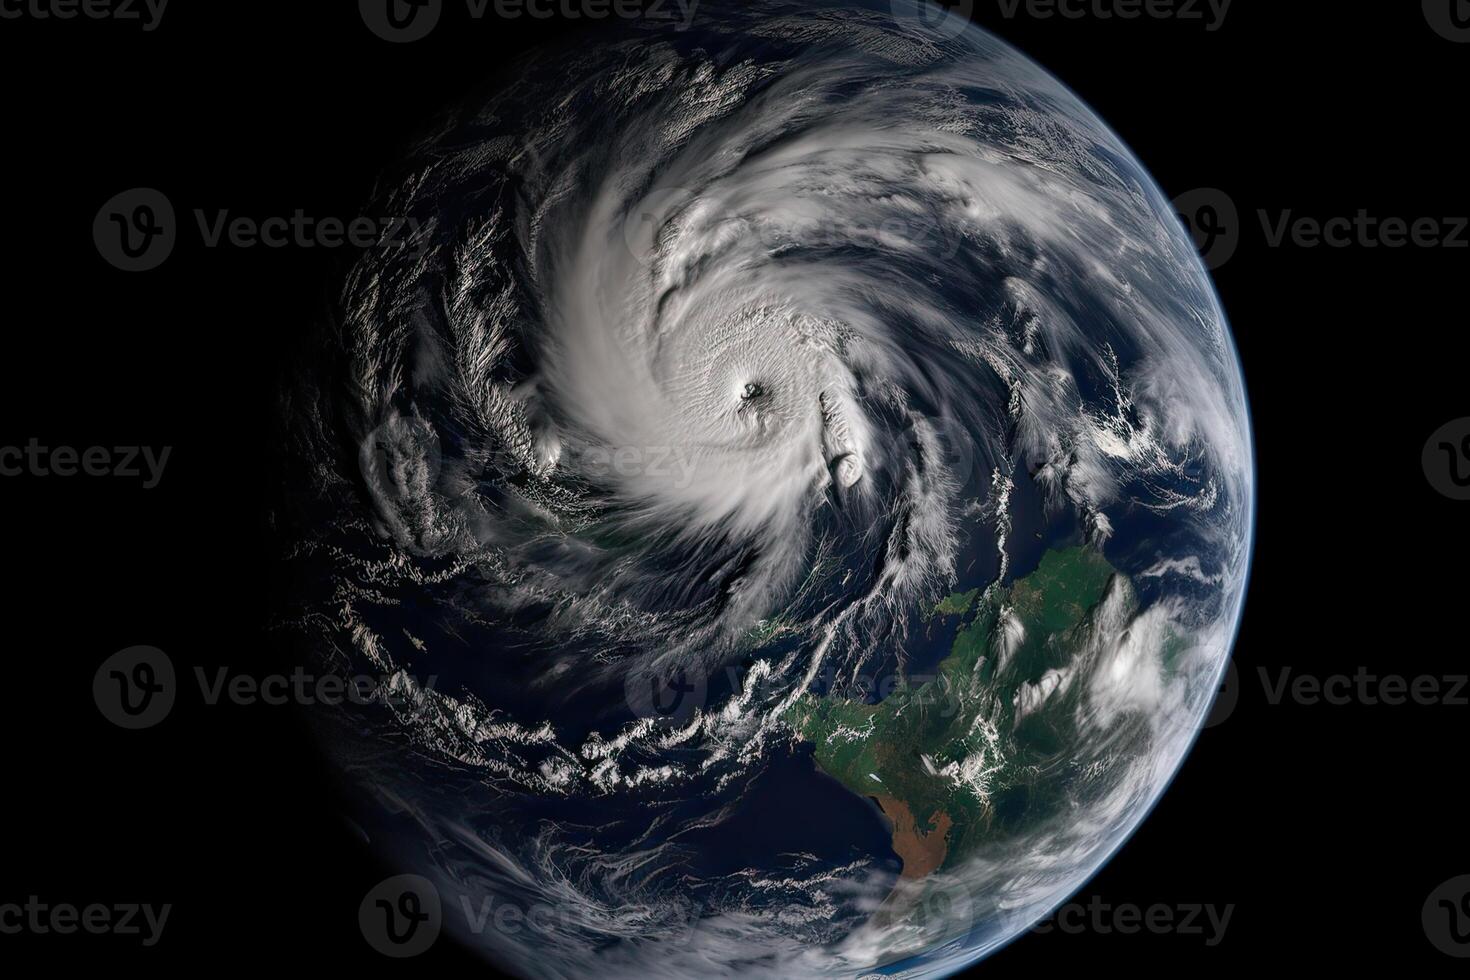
796	485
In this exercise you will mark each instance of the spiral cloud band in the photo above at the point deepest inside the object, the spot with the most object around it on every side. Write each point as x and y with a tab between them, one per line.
730	353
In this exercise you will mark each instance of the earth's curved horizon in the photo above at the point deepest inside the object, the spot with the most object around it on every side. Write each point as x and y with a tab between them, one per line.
799	485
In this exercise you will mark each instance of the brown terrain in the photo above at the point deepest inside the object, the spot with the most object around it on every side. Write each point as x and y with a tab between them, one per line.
921	853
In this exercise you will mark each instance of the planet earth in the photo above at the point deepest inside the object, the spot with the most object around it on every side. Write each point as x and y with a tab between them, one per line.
796	491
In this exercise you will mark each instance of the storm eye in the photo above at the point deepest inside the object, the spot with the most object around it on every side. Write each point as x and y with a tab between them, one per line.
752	390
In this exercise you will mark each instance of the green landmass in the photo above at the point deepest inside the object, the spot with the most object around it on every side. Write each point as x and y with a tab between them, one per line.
957	604
943	755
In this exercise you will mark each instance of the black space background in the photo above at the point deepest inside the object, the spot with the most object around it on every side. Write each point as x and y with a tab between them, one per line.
1327	827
